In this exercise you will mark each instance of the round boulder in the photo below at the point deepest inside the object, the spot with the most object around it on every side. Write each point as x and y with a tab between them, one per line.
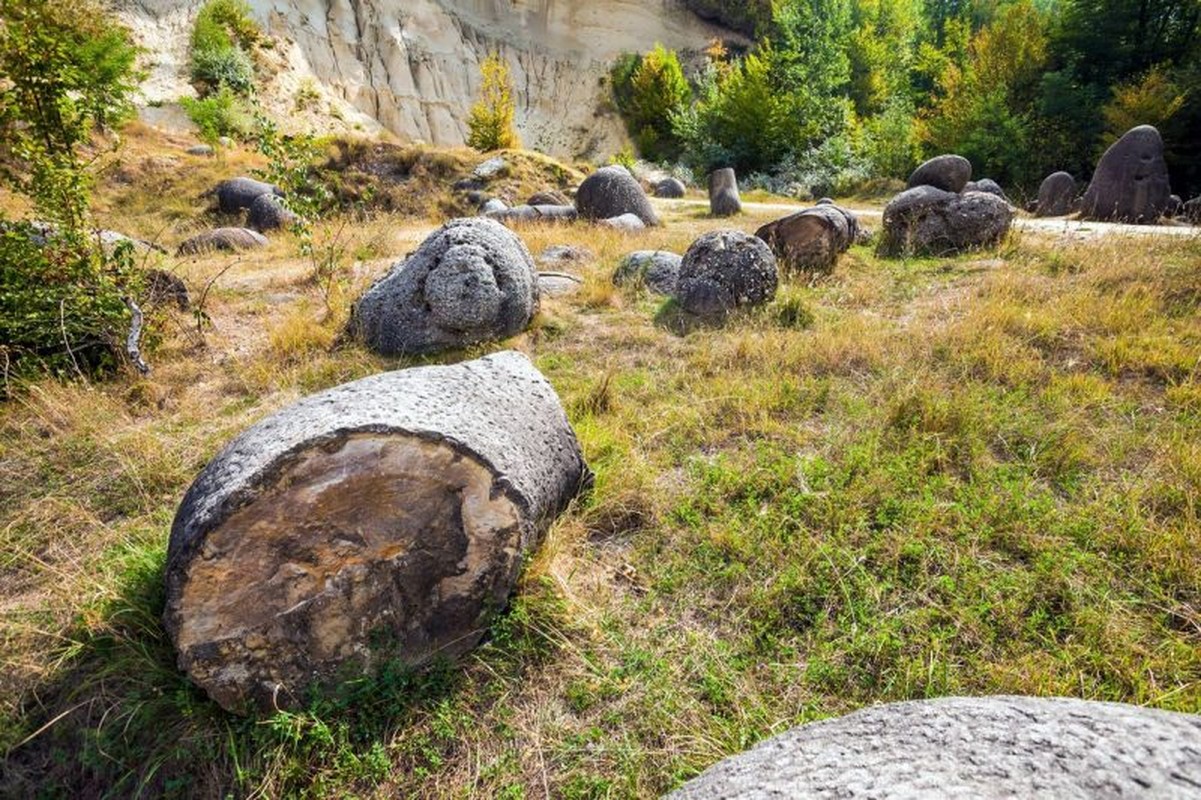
383	521
724	200
1130	183
947	172
988	186
471	281
629	223
268	213
987	747
1055	195
726	270
929	221
612	191
670	188
658	270
236	194
227	239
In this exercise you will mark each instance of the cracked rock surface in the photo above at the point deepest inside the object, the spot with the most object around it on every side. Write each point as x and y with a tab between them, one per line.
726	270
929	221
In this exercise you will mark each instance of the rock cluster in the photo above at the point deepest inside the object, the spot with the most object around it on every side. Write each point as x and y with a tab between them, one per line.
929	221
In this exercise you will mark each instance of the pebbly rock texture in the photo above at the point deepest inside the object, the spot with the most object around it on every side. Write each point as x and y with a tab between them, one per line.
471	281
987	747
1191	211
383	520
726	270
558	284
929	221
558	254
986	185
268	213
947	172
228	239
1055	195
670	188
549	198
812	239
612	191
629	223
237	194
1130	183
533	214
724	200
658	270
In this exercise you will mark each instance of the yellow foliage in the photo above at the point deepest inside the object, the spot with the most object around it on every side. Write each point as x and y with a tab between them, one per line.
491	121
1151	100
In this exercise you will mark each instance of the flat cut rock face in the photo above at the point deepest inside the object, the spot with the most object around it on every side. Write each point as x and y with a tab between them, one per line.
990	747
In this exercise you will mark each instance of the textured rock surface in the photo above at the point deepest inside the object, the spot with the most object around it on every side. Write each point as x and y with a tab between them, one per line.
268	213
988	186
558	254
630	223
548	198
947	172
658	270
612	191
558	284
672	188
229	239
471	281
1130	183
237	194
989	747
1192	210
1055	195
811	239
531	214
725	270
724	200
929	221
383	519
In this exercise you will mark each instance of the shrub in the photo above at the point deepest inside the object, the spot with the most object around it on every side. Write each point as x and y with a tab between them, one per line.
223	35
220	114
648	92
228	68
491	120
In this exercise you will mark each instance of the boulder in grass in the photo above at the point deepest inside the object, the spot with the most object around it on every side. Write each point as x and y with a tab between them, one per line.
558	284
929	221
612	191
492	168
630	223
549	198
236	194
381	522
565	254
658	270
471	281
726	270
724	200
1055	195
949	173
231	240
670	188
1130	183
268	213
493	206
205	150
534	214
984	747
1191	211
813	239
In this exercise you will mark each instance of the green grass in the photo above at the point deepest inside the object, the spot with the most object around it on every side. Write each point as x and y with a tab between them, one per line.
904	480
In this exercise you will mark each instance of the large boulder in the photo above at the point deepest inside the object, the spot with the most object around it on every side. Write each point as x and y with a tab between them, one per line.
236	194
658	270
1130	183
471	281
947	172
929	221
671	188
612	191
232	240
987	747
384	521
811	239
1055	195
726	270
268	213
724	200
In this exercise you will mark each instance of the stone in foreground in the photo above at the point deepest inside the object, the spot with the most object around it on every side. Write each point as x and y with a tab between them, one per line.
611	192
988	747
1130	183
380	521
471	281
658	270
811	240
1055	195
228	239
929	221
724	200
726	270
949	173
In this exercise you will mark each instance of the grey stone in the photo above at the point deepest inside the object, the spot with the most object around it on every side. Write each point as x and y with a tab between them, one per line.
671	188
987	747
947	172
630	223
558	284
549	198
929	221
493	206
533	214
165	287
724	200
471	281
565	254
40	233
201	150
1130	183
236	194
1175	207
988	186
490	169
825	201
228	239
1055	195
380	521
226	142
658	270
726	270
612	191
812	239
268	213
1192	210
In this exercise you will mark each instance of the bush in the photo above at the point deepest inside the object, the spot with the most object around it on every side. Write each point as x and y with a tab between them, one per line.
648	91
222	38
220	114
491	121
228	68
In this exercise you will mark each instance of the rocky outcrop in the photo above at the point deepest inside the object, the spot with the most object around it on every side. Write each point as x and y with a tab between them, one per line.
413	67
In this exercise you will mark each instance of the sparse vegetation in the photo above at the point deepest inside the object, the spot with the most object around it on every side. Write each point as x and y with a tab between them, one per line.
490	125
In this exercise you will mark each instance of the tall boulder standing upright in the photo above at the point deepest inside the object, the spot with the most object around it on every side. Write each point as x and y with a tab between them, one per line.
726	270
383	521
724	200
612	191
471	281
1055	195
929	221
947	172
1130	183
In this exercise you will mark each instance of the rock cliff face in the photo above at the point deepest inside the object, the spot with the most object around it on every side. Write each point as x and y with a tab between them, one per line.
413	67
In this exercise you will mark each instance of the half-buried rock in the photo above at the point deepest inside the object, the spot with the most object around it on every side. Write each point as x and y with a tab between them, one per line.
811	240
929	221
228	239
471	281
987	747
1130	183
612	191
382	521
658	270
726	270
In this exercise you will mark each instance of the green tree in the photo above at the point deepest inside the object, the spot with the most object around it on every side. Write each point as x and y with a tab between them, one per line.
491	124
223	38
648	95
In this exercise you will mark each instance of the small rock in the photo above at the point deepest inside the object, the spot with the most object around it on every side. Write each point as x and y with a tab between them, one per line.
671	188
228	239
565	254
558	284
490	169
268	213
493	206
630	223
986	185
1055	195
658	270
201	150
548	198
